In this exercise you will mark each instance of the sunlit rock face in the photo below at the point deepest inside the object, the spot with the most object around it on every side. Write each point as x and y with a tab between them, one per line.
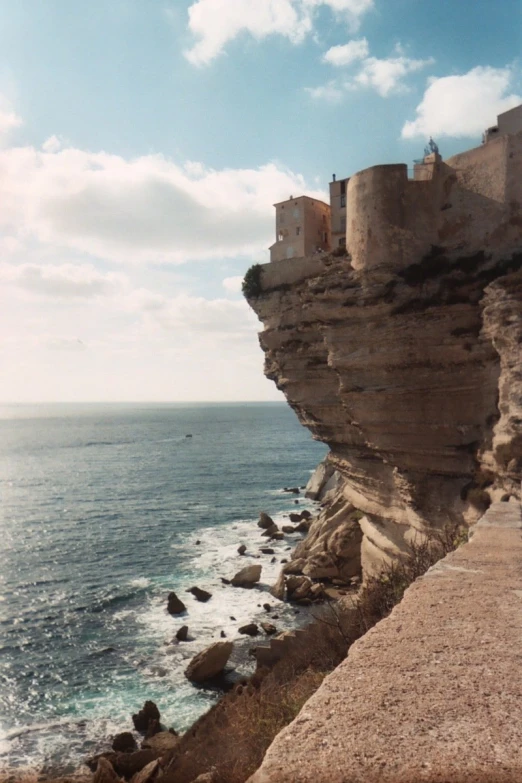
413	378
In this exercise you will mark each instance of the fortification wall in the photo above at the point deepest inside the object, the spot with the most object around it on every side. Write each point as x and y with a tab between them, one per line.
289	271
471	203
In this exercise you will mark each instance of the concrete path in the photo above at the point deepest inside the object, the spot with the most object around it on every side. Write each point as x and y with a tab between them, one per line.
432	693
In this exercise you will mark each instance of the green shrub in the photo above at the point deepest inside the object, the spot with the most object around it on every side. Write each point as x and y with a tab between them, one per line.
252	282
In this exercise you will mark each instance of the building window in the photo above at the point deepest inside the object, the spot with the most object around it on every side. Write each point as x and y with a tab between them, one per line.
280	236
343	200
342	242
297	230
343	187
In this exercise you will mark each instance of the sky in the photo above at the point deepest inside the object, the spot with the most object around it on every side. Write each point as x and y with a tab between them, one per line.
144	142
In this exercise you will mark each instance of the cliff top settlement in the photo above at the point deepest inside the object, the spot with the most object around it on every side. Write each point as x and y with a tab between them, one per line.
466	204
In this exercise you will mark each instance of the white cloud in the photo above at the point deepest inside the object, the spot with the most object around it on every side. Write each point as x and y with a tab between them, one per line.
233	284
463	105
147	209
386	75
61	280
9	119
347	53
332	92
216	22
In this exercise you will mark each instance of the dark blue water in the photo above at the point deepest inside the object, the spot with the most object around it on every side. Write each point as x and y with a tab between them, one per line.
100	512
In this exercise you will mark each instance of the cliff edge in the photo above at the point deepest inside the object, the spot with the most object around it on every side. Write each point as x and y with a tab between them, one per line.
411	376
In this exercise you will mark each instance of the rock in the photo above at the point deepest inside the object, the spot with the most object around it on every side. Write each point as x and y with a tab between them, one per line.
241	549
147	774
223	635
266	550
209	662
205	777
277	536
198	542
278	590
303	526
105	772
267	607
317	591
250	629
270	531
225	581
268	628
162	742
323	479
153	729
128	764
182	633
265	521
298	587
320	566
199	594
284	560
294	566
124	742
175	605
149	712
273	560
293	490
232	617
247	577
288	529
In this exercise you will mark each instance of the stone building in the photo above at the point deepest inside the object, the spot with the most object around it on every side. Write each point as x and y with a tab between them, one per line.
338	211
302	228
468	203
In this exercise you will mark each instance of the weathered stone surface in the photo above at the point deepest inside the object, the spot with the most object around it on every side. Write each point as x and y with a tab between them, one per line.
298	587
124	742
148	713
199	594
247	577
182	633
241	549
175	605
251	629
268	628
209	662
434	692
266	550
161	742
279	589
295	566
399	372
128	764
147	774
288	529
265	521
105	772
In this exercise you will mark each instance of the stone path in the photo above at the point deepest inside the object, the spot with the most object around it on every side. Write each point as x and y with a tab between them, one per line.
432	693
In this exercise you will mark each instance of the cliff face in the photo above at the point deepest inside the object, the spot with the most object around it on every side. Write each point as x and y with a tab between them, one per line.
412	378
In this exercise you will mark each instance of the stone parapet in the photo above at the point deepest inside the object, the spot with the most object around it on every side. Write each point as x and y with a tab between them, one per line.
434	691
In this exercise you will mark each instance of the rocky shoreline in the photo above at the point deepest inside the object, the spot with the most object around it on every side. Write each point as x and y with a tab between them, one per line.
226	664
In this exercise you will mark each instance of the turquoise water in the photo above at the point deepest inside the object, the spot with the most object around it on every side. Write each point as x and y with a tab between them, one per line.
102	506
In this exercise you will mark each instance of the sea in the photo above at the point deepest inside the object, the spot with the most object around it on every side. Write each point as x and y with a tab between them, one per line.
106	508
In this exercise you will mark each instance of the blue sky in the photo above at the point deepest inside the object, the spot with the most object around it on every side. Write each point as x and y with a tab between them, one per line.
143	142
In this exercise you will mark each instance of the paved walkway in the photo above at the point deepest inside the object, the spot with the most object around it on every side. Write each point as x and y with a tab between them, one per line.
432	693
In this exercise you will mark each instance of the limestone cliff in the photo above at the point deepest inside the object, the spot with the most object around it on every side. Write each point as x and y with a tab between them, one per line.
412	378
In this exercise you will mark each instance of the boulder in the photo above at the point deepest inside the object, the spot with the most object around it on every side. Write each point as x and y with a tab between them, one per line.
128	764
303	526
182	633
294	566
162	742
266	550
175	605
199	594
250	629
124	742
93	761
267	607
268	628
269	531
293	490
277	536
209	662
105	772
241	549
154	728
278	590
324	480
223	635
247	577
288	529
265	521
298	588
320	566
147	774
149	712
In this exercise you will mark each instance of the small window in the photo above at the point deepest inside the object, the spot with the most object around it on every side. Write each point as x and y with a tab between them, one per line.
343	187
297	231
342	242
280	237
343	200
